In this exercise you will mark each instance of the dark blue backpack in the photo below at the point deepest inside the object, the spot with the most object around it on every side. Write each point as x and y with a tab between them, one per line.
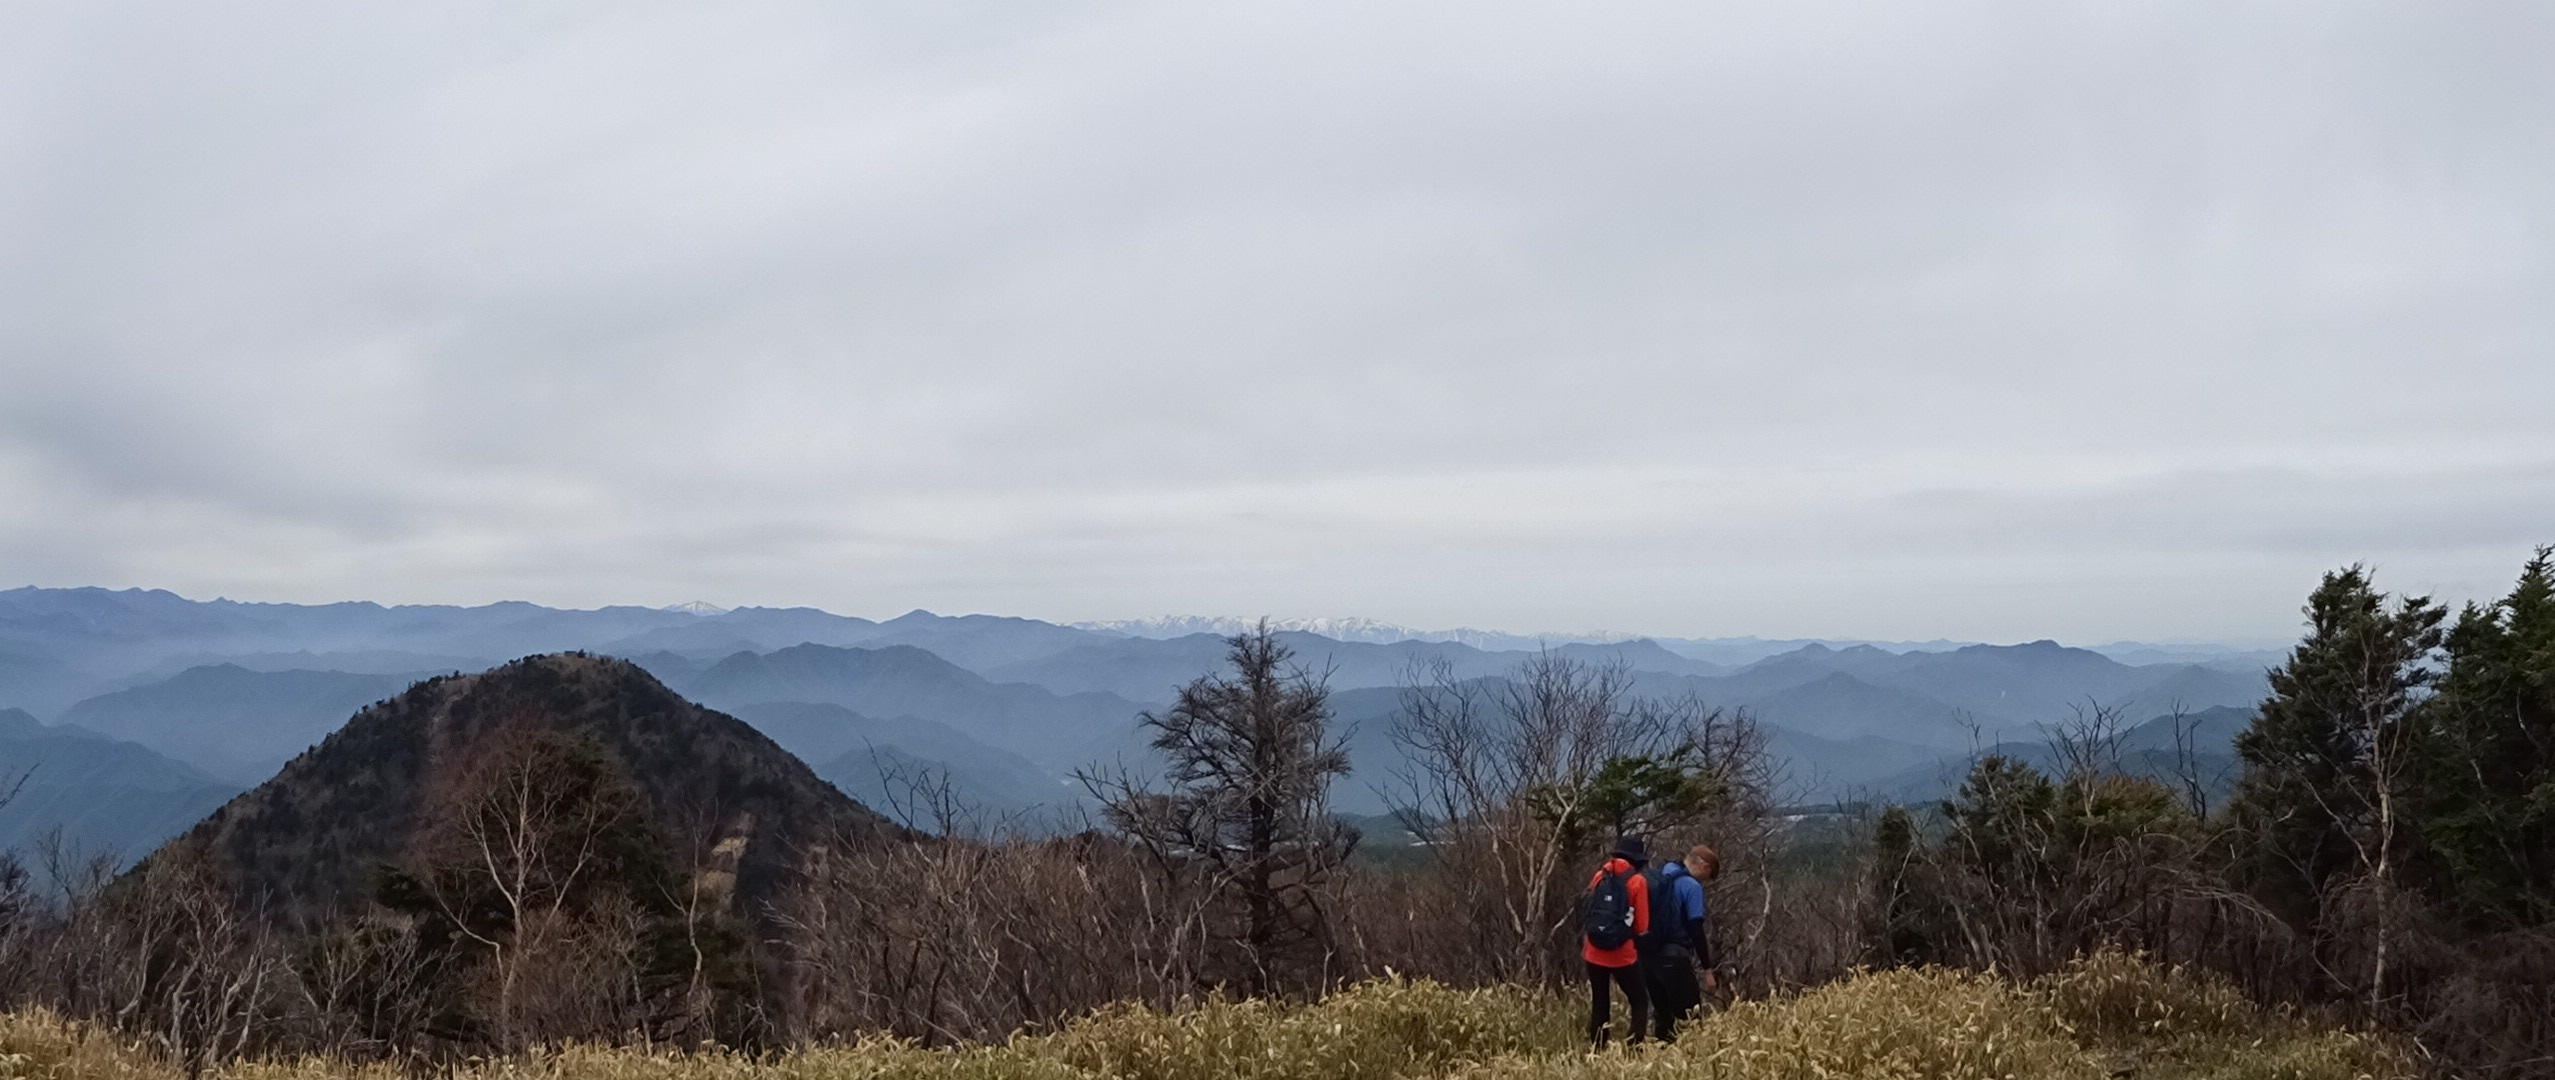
1667	918
1605	912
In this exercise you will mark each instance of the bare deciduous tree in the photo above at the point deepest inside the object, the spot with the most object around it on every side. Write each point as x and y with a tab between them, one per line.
1508	781
1246	813
526	860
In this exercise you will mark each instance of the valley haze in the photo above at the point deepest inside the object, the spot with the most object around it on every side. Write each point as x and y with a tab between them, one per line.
132	712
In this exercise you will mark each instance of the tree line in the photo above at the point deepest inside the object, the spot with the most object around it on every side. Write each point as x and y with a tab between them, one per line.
2388	850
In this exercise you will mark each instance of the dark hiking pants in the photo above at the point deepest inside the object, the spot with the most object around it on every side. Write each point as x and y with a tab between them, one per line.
1601	1004
1674	989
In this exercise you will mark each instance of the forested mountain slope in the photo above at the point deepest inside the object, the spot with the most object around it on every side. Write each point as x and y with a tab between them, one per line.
426	783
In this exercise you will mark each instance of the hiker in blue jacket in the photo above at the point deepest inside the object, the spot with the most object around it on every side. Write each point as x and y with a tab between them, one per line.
1678	946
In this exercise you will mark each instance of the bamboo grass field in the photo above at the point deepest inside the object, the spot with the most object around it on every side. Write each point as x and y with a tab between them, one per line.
2109	1014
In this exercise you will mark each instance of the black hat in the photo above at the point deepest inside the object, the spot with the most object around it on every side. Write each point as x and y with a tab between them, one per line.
1632	849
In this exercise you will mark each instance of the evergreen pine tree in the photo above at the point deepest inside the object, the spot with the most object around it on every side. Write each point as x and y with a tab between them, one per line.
2489	769
1901	936
2003	821
2321	802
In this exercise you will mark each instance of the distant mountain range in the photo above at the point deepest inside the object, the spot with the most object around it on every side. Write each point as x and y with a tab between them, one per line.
84	794
905	767
1372	631
2194	749
901	682
1730	650
235	723
198	699
1152	669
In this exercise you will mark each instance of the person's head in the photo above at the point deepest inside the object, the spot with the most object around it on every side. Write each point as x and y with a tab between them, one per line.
1630	849
1703	862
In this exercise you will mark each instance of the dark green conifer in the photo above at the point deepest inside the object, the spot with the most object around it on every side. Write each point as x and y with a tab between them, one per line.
1901	935
2327	761
2489	791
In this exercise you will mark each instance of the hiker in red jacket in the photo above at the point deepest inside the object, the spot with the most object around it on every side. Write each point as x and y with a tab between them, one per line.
1612	915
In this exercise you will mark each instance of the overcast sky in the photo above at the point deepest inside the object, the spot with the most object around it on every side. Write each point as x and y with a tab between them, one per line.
1993	321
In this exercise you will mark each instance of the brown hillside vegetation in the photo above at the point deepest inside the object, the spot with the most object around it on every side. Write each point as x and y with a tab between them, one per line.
2107	1015
410	782
558	847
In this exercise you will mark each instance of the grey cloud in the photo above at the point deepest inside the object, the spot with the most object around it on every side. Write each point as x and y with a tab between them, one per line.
1974	319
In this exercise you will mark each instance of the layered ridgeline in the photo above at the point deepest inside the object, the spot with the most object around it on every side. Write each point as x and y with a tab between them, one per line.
2191	753
68	794
582	772
58	646
231	721
1001	711
918	770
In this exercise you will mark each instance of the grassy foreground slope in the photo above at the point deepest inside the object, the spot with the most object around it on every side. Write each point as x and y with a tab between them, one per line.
2108	1016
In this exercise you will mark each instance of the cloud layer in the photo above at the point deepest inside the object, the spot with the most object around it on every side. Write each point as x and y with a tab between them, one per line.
1978	320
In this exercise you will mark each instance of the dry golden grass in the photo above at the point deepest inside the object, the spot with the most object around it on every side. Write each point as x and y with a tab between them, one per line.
44	1046
2105	1014
1882	1024
2173	1023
